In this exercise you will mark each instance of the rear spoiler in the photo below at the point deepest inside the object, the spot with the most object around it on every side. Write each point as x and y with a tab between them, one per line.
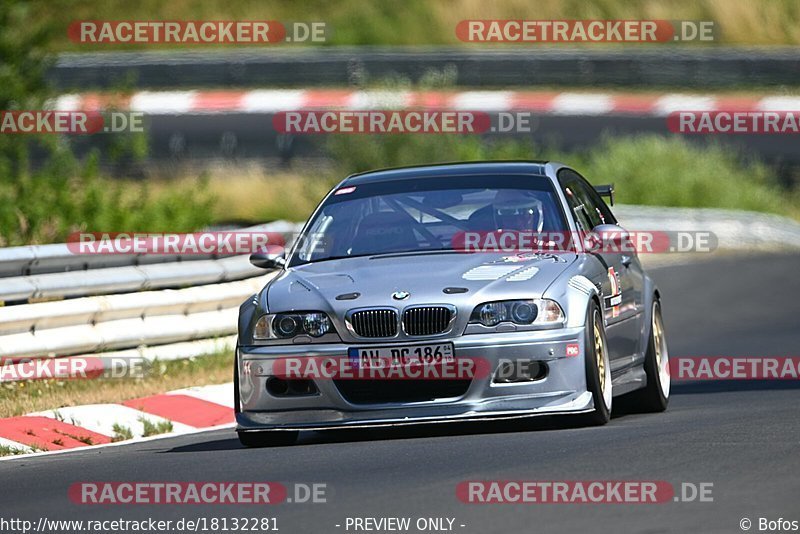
606	191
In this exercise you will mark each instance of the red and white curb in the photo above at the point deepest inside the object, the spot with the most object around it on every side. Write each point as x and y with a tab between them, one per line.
188	410
546	102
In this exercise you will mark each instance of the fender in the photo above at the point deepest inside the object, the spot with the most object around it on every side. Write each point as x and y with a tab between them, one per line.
247	318
580	290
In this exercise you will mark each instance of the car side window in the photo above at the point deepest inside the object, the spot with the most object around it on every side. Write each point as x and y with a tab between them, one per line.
577	206
594	208
597	203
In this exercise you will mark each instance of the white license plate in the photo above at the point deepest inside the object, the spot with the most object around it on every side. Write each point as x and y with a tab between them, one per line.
400	356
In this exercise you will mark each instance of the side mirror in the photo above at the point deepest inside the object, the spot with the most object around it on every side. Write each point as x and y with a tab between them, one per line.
608	238
265	260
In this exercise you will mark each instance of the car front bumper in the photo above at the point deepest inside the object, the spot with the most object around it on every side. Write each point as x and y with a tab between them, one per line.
563	390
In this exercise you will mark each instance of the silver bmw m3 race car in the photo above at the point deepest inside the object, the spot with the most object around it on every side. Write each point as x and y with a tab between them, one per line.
450	293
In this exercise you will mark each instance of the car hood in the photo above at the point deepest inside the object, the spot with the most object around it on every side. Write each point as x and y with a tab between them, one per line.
330	286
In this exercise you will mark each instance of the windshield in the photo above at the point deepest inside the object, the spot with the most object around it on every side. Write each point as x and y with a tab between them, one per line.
426	215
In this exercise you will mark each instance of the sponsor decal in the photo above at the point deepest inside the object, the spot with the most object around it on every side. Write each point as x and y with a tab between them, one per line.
615	298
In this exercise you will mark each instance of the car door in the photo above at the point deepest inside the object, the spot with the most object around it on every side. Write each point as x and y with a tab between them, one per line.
622	287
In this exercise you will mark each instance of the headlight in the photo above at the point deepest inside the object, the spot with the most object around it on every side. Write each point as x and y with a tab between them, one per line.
289	325
286	325
540	312
261	331
316	324
492	313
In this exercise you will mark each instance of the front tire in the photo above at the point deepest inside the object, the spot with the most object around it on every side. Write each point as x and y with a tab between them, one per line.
598	367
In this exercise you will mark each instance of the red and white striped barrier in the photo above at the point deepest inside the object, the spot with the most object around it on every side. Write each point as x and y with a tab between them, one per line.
546	102
188	410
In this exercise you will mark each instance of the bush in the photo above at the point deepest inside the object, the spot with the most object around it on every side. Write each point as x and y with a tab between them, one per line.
46	192
646	169
670	172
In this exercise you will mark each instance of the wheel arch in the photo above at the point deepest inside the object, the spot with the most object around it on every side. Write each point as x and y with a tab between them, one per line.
651	294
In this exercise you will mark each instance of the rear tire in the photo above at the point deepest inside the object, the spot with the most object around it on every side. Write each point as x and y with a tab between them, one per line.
268	438
655	396
598	367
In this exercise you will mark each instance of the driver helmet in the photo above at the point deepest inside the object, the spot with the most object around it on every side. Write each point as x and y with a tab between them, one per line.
517	210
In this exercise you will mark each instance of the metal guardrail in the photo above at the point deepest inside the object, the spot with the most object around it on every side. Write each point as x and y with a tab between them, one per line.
33	318
661	66
123	333
39	259
54	271
59	257
733	229
125	279
107	307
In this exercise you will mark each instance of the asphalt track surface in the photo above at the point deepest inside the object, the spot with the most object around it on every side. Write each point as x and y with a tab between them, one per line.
741	436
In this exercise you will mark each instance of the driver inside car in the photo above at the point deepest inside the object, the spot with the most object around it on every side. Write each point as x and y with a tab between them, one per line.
516	211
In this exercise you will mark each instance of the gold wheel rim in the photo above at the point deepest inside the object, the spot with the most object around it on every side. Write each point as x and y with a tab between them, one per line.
661	353
657	341
599	354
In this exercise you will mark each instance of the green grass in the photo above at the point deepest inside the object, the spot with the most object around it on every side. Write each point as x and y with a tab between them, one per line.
18	398
48	205
154	429
5	450
420	22
121	433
